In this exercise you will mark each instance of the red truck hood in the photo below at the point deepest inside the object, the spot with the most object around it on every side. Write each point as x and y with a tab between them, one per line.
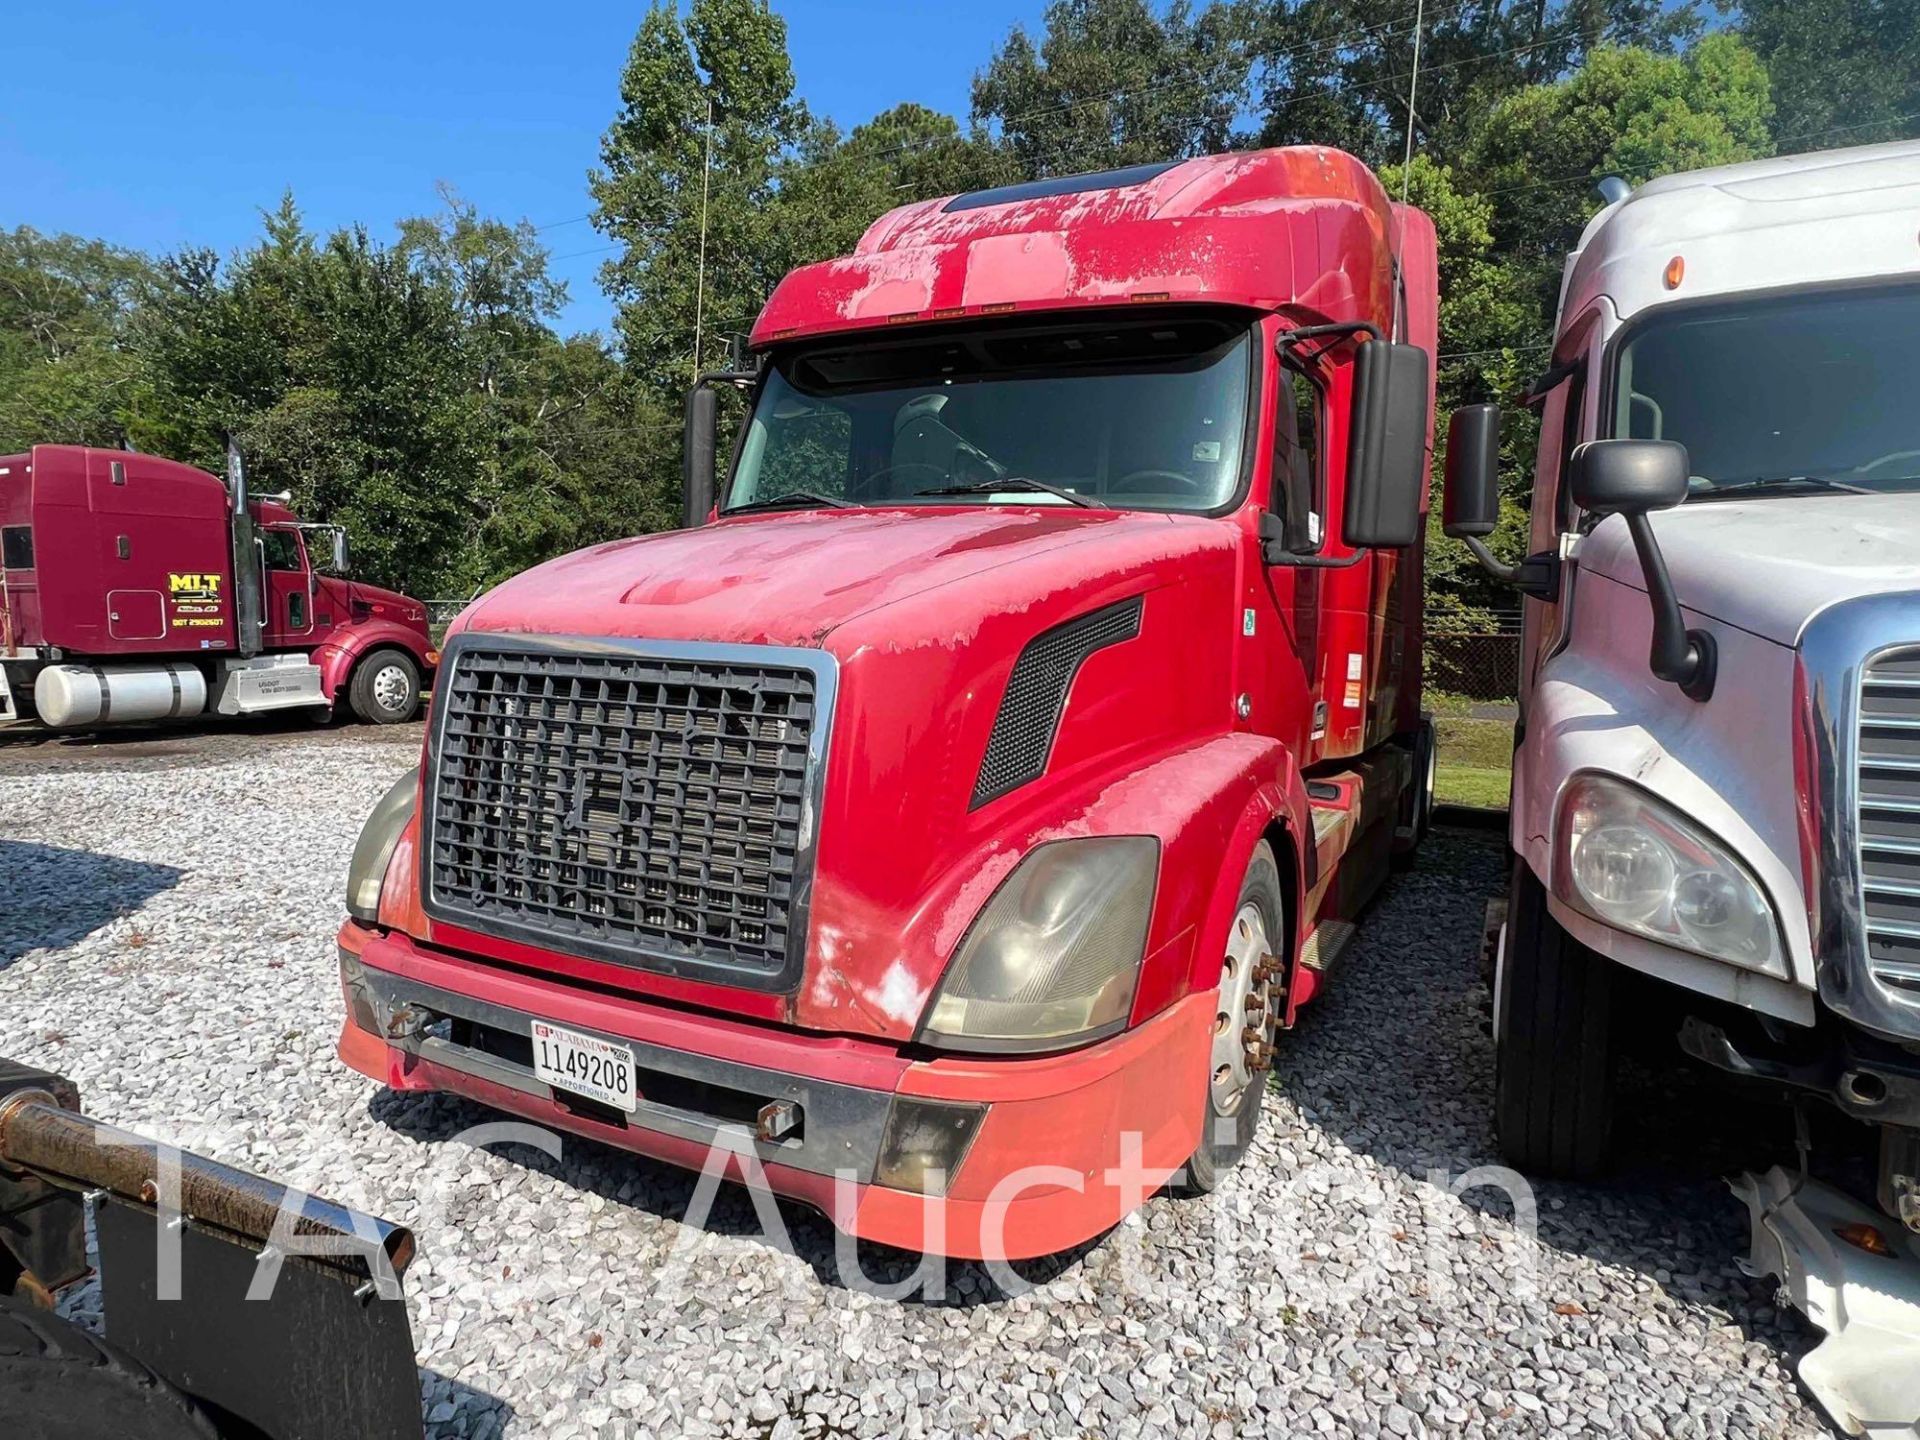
789	578
925	610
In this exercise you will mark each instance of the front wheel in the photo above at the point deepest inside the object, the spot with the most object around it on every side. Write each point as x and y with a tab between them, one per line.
1553	1023
386	688
1250	999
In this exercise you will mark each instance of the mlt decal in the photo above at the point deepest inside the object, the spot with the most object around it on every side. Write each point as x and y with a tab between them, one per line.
196	599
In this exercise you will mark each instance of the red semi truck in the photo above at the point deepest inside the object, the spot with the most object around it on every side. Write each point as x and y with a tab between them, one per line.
137	588
991	772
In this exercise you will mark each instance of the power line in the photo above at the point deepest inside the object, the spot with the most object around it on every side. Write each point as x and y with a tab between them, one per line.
594	250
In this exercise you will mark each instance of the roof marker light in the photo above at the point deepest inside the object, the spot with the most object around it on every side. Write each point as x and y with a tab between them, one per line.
1676	267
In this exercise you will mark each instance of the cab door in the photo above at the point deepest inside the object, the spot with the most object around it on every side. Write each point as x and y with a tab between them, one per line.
288	588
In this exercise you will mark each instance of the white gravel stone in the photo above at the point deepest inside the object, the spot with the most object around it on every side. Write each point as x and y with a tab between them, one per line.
166	939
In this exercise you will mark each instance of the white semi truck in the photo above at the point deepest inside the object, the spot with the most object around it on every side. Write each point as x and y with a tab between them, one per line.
1716	785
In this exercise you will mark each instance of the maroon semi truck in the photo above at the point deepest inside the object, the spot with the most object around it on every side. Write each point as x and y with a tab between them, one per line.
136	588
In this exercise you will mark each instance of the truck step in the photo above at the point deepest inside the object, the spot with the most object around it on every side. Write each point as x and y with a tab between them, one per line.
1325	944
267	682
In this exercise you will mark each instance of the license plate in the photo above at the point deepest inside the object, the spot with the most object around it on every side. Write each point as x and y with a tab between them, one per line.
585	1064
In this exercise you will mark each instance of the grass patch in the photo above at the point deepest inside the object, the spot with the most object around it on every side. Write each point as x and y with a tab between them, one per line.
1471	785
1474	761
1485	744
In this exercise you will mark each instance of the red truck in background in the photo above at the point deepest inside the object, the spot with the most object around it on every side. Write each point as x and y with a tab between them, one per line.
137	588
986	779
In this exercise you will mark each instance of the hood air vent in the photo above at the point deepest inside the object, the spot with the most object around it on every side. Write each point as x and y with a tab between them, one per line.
1037	692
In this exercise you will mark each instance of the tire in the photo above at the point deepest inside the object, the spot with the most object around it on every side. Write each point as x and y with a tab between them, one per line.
386	688
1553	1024
1248	970
58	1382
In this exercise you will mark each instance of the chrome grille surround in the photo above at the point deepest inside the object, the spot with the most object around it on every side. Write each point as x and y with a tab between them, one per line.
1859	669
675	836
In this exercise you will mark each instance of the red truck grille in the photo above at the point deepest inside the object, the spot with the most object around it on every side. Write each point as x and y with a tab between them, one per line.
650	805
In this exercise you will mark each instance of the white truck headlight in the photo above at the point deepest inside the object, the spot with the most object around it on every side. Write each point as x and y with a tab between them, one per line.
1055	954
1635	863
373	851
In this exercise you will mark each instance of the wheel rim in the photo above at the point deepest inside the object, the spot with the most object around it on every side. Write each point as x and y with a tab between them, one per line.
1242	1024
392	688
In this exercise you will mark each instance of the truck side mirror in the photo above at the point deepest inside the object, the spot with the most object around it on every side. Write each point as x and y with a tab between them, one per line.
1470	509
342	552
1629	478
698	484
1387	446
1625	477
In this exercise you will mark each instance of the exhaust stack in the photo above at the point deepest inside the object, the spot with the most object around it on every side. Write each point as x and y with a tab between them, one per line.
248	611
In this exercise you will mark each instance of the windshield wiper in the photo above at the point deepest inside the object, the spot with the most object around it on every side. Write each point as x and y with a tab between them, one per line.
1015	482
1779	484
791	497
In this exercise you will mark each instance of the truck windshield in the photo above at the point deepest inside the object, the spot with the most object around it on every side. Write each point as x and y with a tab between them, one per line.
1147	415
1812	393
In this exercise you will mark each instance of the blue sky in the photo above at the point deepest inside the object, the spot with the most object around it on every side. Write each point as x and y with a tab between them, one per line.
159	125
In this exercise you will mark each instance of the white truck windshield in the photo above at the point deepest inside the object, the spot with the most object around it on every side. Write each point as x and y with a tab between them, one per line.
1135	415
1804	394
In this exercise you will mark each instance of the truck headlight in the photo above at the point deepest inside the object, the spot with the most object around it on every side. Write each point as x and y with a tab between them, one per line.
372	852
1055	954
1635	863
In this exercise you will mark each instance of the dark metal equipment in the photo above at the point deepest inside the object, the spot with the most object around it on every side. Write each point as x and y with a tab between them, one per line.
279	1312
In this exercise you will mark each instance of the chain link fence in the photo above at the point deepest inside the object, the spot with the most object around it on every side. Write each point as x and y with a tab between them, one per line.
1481	662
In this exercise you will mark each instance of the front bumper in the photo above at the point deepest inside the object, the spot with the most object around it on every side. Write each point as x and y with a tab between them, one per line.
1065	1146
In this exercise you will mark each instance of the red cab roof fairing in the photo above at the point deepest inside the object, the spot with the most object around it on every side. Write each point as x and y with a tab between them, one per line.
1303	226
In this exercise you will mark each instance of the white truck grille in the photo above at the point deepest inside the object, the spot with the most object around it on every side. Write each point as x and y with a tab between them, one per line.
1888	775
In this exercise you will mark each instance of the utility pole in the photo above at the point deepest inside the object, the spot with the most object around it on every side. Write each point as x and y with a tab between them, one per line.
700	284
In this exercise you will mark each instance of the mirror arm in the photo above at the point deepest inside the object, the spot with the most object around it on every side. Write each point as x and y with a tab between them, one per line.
1538	575
1286	340
1685	657
1497	568
1281	558
1275	552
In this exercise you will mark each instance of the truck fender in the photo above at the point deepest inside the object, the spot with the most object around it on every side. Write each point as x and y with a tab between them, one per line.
1594	710
1275	811
341	651
1209	805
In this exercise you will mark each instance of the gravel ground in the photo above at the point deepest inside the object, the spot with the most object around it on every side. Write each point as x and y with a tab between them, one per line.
165	939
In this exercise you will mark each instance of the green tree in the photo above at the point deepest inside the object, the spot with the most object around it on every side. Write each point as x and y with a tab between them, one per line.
1631	113
1843	72
698	239
66	368
1112	82
343	371
1338	72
